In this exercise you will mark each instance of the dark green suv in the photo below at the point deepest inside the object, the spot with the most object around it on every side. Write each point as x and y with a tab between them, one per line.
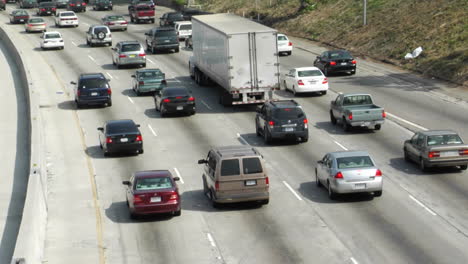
162	38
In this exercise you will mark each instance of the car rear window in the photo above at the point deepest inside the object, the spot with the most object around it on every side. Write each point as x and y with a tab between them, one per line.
67	14
357	100
165	33
93	83
309	73
282	38
288	113
143	7
354	162
45	4
131	47
153	183
36	20
112	18
52	35
185	27
444	140
151	75
230	167
175	92
341	54
252	165
176	16
101	29
121	127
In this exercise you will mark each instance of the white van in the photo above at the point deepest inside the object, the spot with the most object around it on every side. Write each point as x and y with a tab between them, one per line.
183	29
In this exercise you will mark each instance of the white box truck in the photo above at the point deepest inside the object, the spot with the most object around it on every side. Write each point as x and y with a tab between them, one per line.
236	53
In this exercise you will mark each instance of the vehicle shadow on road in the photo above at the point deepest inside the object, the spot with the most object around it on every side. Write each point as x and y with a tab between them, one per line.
320	195
289	95
338	130
258	141
67	105
118	212
412	168
109	67
196	200
95	152
129	93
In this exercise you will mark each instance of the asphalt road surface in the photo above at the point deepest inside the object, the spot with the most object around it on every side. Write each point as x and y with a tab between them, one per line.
421	217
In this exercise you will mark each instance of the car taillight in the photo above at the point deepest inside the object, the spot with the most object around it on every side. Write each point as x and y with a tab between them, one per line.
125	22
324	81
267	181
433	154
141	83
290	43
108	140
271	124
72	4
42	9
339	175
122	56
174	196
78	93
178	97
75	18
142	54
191	99
300	82
378	173
384	115
306	122
45	41
353	61
110	23
139	138
137	199
166	100
463	152
350	116
109	91
332	63
217	185
84	3
53	9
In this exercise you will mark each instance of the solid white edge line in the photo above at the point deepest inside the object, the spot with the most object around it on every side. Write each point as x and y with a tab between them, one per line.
109	75
207	106
210	238
150	61
130	99
178	175
407	122
338	143
354	261
292	190
243	140
152	130
422	205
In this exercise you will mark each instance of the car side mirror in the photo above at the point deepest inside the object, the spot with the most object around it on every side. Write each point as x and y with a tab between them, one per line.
320	162
146	34
133	76
202	161
113	49
332	102
318	57
108	80
74	83
100	128
164	82
126	183
137	125
176	179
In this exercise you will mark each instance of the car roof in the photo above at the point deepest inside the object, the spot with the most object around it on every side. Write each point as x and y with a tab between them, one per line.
306	68
236	151
438	132
283	35
152	173
349	153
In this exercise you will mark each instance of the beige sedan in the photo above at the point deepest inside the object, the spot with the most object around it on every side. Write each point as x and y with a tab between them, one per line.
35	24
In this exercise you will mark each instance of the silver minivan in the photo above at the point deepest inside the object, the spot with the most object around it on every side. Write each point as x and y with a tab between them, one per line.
128	53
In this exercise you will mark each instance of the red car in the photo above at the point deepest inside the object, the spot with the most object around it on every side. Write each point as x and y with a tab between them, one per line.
153	192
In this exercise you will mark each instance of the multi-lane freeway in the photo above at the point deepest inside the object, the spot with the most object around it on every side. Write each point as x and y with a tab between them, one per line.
420	218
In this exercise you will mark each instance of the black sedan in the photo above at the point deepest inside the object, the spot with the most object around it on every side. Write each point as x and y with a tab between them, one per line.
19	16
335	61
46	8
120	136
174	100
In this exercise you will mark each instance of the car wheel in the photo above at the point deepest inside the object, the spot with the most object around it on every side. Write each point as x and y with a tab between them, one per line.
265	202
213	200
331	194
266	135
153	50
353	72
138	93
305	139
332	118
463	167
324	92
162	110
405	154
131	19
186	43
325	71
176	50
133	216
152	21
144	65
377	193
177	213
257	129
106	153
317	182
377	127
345	124
78	105
294	90
205	187
289	52
422	165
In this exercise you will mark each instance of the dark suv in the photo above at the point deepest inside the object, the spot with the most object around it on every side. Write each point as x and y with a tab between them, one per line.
162	38
102	5
168	19
335	61
92	89
77	6
281	119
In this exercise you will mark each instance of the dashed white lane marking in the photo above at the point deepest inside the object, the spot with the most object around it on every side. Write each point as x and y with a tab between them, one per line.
150	61
91	58
86	24
130	99
243	140
152	130
205	104
108	74
292	190
74	43
354	261
422	205
407	122
178	175
338	143
210	238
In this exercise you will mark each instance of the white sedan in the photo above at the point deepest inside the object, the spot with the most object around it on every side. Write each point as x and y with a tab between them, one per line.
284	45
52	40
66	18
305	80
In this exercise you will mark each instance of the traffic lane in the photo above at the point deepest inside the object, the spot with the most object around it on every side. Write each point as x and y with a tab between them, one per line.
404	99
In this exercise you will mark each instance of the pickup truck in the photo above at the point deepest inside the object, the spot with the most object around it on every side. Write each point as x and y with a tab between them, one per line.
141	12
356	110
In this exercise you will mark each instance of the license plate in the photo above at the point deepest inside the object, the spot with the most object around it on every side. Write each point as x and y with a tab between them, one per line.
94	94
288	129
250	182
167	40
180	107
156	199
312	82
344	63
359	186
449	153
132	56
124	140
366	124
78	5
48	12
21	20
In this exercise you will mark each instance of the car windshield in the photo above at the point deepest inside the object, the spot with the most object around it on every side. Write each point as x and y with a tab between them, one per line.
113	18
252	165
36	20
153	183
357	100
165	33
175	92
67	14
288	113
280	38
230	167
20	13
151	75
52	35
354	162
121	127
185	27
131	47
339	54
93	83
309	73
176	16
444	140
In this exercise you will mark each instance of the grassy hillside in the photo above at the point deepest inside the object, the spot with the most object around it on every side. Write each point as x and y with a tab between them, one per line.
394	28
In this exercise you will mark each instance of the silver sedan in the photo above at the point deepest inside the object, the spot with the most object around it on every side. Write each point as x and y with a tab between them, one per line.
115	22
348	172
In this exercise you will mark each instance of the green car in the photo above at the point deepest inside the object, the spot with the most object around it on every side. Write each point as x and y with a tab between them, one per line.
148	81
